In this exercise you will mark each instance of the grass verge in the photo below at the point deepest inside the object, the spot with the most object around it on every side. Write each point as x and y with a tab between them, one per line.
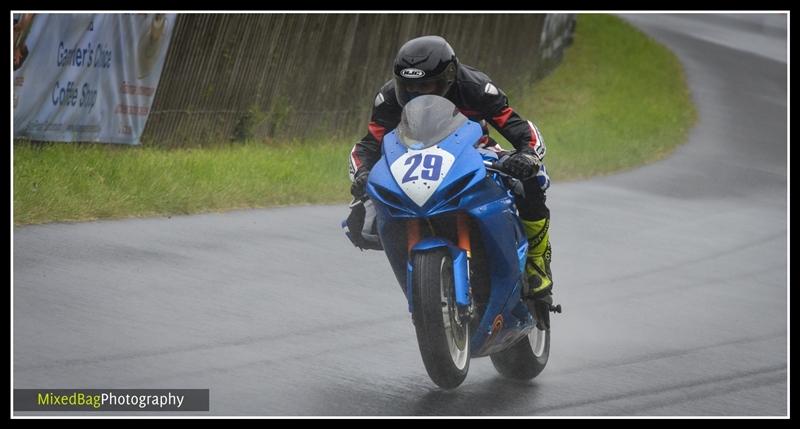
67	182
618	100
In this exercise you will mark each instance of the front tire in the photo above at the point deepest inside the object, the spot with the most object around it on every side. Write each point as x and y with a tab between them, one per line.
442	335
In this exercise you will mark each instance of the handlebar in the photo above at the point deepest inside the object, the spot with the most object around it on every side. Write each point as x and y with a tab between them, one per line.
496	166
513	182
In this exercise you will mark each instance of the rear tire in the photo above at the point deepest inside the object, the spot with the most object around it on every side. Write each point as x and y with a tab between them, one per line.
525	359
442	336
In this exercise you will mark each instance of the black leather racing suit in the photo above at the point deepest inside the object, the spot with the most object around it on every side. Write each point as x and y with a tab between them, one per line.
480	100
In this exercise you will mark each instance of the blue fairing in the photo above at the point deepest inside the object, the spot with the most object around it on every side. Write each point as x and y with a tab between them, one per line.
383	188
467	188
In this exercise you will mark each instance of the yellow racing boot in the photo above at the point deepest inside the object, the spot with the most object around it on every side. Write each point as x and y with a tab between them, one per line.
540	280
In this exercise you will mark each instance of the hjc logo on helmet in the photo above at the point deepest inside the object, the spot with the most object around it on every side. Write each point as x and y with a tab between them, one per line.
412	73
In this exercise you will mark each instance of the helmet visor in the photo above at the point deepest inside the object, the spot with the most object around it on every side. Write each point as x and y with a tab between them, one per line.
407	89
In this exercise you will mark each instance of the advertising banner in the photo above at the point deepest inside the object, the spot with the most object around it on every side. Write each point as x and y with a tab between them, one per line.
87	77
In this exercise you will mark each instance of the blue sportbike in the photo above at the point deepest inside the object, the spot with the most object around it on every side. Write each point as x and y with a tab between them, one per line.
447	221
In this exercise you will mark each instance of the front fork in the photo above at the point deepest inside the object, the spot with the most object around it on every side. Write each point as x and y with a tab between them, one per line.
462	228
414	236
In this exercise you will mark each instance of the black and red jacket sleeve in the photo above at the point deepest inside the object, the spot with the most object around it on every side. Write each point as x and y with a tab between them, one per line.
385	117
518	131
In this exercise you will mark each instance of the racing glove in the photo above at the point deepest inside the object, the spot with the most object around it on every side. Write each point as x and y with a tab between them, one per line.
359	186
522	164
361	226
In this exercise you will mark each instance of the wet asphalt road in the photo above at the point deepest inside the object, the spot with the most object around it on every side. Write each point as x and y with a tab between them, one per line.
673	278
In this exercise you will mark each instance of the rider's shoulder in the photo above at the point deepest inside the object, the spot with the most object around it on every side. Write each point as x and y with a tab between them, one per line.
386	96
471	75
475	84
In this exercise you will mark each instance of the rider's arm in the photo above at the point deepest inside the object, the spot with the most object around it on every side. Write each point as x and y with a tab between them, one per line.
518	131
385	117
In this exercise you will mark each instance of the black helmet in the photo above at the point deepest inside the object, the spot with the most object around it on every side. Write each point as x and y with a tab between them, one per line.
425	65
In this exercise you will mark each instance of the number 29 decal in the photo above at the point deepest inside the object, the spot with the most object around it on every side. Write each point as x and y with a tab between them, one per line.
420	172
432	167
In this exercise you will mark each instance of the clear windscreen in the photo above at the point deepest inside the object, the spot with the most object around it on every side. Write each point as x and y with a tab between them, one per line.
426	120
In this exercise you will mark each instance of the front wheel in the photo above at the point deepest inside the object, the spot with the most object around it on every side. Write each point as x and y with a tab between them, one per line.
527	358
443	335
